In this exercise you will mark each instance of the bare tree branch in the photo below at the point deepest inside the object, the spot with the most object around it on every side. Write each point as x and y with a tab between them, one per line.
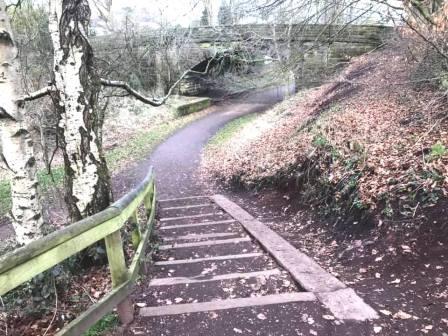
156	101
36	94
434	45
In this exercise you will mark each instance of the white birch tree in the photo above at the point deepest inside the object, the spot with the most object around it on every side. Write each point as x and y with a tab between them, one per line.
16	145
77	85
75	90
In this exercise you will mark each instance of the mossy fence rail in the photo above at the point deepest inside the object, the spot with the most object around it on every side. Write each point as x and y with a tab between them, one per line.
26	262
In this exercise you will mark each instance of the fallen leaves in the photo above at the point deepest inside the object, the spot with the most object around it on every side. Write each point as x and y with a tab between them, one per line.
404	316
389	126
377	329
261	316
385	312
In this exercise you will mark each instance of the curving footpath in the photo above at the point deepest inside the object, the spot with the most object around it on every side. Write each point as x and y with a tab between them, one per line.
218	270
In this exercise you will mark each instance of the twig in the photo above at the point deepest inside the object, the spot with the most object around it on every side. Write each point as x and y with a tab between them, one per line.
415	209
87	293
55	308
431	43
155	101
438	122
6	319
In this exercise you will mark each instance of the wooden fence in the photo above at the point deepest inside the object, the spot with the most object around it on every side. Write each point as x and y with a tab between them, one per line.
26	262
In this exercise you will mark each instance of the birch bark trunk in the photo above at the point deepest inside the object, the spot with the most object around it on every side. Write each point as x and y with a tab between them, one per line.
16	145
87	182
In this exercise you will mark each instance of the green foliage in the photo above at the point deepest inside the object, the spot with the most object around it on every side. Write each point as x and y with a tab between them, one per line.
106	323
320	141
134	149
46	181
37	296
444	82
438	150
388	210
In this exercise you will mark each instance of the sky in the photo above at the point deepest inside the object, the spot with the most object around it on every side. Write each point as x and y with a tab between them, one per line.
181	12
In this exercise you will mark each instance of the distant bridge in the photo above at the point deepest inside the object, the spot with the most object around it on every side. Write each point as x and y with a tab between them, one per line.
315	50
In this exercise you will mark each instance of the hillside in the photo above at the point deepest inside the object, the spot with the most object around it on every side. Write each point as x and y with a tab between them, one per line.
369	145
354	173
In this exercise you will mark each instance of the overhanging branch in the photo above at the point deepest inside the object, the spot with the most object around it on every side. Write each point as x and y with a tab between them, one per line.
125	86
155	101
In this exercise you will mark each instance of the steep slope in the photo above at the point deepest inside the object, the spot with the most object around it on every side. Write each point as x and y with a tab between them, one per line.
371	141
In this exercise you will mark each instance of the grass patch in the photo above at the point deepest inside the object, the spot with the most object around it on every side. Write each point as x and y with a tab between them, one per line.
47	180
233	127
144	142
106	323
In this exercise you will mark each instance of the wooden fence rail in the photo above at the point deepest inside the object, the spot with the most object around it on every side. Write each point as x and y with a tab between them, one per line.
26	262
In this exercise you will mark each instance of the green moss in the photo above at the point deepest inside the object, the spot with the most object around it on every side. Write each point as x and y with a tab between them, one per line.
5	197
192	106
106	323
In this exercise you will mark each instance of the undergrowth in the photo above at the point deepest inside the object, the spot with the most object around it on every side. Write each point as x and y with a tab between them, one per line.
108	322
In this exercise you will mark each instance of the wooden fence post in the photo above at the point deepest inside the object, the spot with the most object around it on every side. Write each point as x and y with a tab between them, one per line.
136	234
119	274
148	201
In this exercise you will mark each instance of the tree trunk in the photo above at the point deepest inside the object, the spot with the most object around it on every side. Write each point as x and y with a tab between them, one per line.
87	181
16	145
